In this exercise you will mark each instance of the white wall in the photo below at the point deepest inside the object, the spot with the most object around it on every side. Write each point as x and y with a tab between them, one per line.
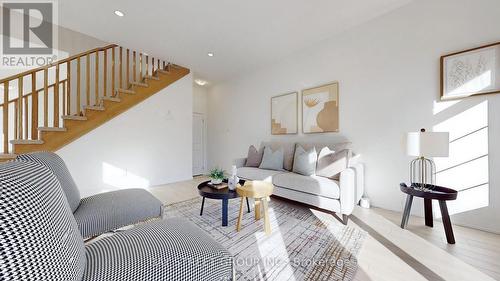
388	70
200	99
148	145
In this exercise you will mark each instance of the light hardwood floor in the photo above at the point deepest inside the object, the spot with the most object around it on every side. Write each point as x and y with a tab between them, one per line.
392	253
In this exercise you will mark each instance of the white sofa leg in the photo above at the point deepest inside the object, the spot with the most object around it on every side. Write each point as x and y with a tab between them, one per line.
345	219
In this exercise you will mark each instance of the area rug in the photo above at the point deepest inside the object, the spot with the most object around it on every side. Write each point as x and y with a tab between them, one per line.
304	245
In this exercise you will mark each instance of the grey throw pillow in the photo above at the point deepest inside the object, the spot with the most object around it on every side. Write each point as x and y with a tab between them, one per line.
304	162
272	160
332	163
254	157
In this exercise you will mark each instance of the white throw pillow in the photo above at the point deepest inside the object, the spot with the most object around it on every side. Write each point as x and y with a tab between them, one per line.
272	160
304	162
332	163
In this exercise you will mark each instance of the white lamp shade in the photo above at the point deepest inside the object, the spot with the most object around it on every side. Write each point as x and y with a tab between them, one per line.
428	144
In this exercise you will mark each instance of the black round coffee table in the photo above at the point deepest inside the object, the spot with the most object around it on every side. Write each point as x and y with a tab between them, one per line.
431	192
223	194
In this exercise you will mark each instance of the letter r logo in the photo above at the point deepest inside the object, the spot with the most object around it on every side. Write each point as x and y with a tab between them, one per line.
36	25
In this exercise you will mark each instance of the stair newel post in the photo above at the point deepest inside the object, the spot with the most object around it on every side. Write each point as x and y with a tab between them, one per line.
134	67
68	85
140	67
128	68
105	76
78	86
64	98
19	105
163	67
56	98
45	97
87	80
34	108
96	90
158	66
6	117
121	67
26	128
112	71
147	65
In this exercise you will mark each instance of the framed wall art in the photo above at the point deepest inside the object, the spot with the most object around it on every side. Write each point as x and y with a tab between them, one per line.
320	109
284	114
471	72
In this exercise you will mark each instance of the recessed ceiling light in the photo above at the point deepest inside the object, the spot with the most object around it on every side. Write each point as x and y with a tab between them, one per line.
200	82
119	13
210	54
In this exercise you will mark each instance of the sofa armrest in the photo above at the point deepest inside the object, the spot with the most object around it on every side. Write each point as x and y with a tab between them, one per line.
347	185
240	162
359	168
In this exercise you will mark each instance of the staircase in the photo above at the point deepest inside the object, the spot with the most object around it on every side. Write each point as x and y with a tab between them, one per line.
51	106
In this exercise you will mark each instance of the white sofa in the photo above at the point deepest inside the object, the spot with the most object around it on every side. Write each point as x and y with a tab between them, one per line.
338	193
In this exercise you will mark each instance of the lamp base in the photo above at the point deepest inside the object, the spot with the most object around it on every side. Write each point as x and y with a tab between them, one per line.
423	171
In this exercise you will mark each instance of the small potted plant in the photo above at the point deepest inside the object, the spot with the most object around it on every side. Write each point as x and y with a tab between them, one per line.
216	176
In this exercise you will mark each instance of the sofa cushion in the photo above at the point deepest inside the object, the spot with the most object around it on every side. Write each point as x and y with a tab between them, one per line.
250	173
58	167
288	152
172	249
254	157
332	163
309	184
39	237
108	211
304	162
272	159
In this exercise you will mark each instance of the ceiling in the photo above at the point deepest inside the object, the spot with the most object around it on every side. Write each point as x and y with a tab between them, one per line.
243	35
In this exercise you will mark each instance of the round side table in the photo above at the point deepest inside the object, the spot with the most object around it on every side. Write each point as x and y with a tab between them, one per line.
260	192
433	192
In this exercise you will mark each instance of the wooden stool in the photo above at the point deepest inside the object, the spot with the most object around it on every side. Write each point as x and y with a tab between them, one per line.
260	192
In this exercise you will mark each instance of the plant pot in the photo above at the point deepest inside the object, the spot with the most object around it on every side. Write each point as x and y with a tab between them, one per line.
216	181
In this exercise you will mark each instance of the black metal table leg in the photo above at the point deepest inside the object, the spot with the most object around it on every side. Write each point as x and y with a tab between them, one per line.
248	205
225	203
202	204
428	212
406	213
448	229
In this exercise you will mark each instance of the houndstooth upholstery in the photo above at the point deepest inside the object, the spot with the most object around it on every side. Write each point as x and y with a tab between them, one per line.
58	167
111	210
173	249
104	212
39	238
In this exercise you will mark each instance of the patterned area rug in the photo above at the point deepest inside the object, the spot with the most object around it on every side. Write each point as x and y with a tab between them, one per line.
304	245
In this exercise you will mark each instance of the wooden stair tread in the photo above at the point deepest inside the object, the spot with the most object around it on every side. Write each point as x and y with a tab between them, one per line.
7	156
51	129
123	91
139	84
74	117
93	107
114	99
163	71
27	142
151	77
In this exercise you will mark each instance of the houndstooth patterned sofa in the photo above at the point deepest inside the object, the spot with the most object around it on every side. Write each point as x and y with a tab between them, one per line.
103	212
40	239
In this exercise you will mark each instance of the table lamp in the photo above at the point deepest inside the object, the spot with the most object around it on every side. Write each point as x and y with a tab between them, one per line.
425	145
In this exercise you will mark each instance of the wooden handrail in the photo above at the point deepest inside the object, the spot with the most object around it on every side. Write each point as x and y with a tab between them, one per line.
68	59
37	91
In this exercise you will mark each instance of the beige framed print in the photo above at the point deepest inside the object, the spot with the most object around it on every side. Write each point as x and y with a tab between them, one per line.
284	114
320	109
471	72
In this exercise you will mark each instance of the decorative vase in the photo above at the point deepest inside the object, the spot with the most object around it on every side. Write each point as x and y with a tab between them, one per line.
216	181
233	180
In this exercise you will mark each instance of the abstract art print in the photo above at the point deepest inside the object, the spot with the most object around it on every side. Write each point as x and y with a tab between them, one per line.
320	109
471	72
284	111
